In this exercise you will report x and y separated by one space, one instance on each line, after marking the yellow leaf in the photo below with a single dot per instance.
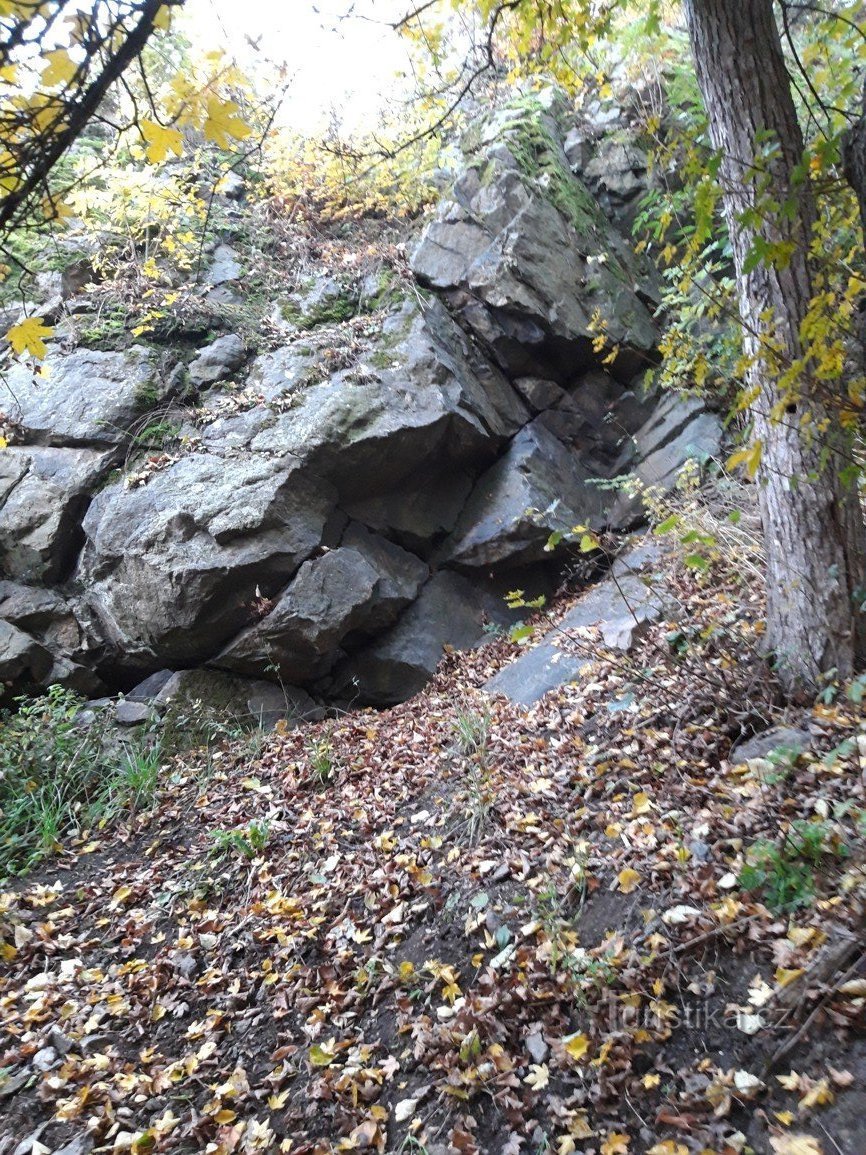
29 336
160 140
162 20
749 457
795 1145
576 1046
627 880
641 803
616 1144
121 894
322 1056
651 1080
222 121
784 976
818 1096
668 1147
59 69
226 1115
3 442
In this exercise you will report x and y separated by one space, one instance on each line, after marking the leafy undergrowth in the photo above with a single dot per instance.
457 926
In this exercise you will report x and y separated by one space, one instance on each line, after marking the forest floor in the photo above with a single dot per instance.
461 926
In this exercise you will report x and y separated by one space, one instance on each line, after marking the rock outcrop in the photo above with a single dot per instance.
332 512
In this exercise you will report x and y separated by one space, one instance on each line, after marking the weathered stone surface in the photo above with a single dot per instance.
616 607
171 568
368 428
85 397
777 738
421 512
537 487
679 428
525 255
248 700
449 611
359 587
43 495
218 360
224 266
22 659
128 713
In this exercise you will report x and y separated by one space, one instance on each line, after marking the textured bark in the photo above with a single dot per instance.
812 521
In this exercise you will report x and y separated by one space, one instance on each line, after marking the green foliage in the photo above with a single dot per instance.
320 757
59 776
472 731
786 871
244 841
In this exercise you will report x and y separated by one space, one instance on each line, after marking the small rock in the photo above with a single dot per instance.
61 1043
9 1084
776 738
218 360
31 1143
536 1047
128 713
44 1060
80 1145
187 964
404 1110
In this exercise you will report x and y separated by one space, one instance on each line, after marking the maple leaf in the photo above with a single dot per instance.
59 69
538 1077
160 140
222 121
616 1143
28 336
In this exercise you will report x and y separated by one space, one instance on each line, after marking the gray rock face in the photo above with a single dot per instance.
43 495
525 256
224 266
616 607
171 568
22 658
535 488
218 360
449 611
250 701
289 530
678 429
359 587
86 397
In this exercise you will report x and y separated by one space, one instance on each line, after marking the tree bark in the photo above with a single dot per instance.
813 525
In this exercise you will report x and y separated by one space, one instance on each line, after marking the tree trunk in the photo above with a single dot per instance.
812 522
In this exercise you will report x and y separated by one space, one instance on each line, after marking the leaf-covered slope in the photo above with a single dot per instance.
458 926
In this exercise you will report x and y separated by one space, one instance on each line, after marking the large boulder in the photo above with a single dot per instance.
678 429
537 487
450 611
525 256
22 658
360 587
419 394
43 495
172 568
86 397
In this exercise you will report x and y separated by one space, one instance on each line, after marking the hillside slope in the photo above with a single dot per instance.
463 926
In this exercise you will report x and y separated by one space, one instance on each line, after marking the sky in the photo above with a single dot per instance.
344 63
